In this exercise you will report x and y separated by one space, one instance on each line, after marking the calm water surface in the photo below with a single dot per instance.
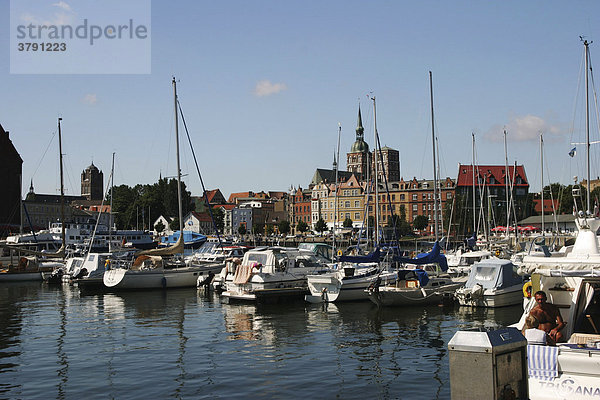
58 343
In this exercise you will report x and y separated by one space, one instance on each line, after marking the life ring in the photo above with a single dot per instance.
339 252
497 253
527 289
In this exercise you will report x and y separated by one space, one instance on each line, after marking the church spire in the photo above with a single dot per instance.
359 128
31 187
334 161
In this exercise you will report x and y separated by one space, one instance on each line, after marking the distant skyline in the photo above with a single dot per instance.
263 86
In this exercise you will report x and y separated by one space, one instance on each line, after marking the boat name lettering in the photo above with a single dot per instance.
570 387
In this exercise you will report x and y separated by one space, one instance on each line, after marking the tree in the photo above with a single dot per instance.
302 226
174 225
219 216
321 226
242 229
420 222
347 223
284 227
159 227
257 229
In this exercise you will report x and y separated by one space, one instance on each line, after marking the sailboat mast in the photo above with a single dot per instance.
506 175
376 173
178 166
336 161
473 168
62 187
112 188
435 195
542 162
587 123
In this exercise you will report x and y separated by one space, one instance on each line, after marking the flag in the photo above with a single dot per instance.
573 152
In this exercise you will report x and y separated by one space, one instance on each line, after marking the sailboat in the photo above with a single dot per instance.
353 274
151 269
37 265
416 286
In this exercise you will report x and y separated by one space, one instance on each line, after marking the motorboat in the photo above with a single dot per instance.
350 278
271 273
492 283
30 268
460 262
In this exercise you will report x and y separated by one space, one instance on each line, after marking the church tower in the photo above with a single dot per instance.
92 183
358 157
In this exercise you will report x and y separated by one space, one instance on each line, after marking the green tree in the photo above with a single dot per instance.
242 229
159 227
420 222
270 230
302 226
347 223
284 227
174 225
258 229
321 226
219 216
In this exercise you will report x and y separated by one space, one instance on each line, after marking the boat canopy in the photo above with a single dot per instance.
493 273
371 257
433 257
419 274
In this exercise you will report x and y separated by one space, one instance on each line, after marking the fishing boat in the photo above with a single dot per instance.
492 283
271 273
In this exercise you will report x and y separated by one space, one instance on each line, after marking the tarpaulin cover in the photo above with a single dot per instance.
371 257
433 257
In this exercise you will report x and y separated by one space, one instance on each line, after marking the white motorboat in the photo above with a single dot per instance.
492 283
271 273
349 279
460 262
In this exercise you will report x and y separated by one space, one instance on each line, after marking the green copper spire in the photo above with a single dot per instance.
359 128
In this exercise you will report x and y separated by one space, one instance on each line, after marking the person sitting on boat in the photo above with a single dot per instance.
549 318
532 333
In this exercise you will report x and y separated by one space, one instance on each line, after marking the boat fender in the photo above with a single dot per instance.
497 253
527 288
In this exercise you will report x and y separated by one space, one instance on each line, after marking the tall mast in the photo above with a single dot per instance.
435 208
178 166
336 161
62 188
474 183
112 188
376 173
587 124
506 186
542 162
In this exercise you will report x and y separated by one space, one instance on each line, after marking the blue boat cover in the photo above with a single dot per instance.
371 257
419 274
189 237
433 257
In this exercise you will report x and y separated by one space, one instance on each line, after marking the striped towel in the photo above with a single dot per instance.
542 361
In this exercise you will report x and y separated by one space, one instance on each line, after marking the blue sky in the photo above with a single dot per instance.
263 85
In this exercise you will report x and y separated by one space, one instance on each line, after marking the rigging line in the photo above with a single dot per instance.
199 175
595 97
43 155
575 100
389 205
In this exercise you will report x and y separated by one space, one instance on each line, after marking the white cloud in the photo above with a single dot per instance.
62 5
525 128
90 99
266 88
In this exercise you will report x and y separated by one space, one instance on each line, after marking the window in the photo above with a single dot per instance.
356 203
347 204
424 196
414 197
448 196
402 197
356 216
415 207
424 207
393 197
347 215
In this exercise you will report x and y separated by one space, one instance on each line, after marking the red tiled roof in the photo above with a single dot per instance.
202 217
465 175
547 205
234 196
226 206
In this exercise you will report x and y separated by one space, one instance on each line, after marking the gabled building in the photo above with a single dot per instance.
166 223
215 197
10 181
199 223
491 182
299 208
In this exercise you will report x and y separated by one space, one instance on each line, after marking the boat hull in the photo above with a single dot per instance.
151 279
491 298
394 296
334 287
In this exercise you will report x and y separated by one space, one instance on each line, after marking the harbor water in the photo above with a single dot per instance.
56 342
